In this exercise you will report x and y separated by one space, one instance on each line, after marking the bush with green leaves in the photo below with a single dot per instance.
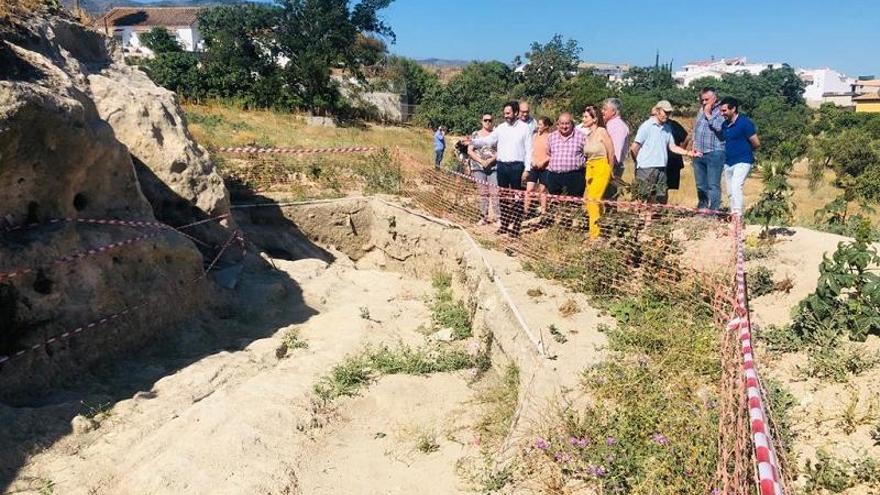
774 206
847 299
834 217
760 281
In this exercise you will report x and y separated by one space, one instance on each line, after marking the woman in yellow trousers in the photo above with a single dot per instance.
599 152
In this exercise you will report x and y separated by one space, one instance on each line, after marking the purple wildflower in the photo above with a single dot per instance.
716 491
562 457
542 444
579 442
597 471
659 439
610 441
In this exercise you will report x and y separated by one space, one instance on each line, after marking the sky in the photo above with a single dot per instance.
840 34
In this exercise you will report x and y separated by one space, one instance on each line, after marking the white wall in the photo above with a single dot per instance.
189 38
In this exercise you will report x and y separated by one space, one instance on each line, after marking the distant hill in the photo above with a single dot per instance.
444 63
99 7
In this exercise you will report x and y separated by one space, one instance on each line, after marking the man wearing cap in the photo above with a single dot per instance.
649 149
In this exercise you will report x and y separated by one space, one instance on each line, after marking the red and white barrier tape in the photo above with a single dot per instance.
294 151
79 255
607 202
237 235
768 472
92 221
113 222
69 334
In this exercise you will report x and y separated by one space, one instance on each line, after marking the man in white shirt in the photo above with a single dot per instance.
513 139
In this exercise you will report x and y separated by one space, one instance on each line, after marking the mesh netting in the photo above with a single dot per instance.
607 249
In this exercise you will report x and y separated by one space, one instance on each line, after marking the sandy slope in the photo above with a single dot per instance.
819 415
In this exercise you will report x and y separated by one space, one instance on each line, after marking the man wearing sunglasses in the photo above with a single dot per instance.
709 141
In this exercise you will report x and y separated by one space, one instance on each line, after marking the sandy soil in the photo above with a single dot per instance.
820 415
215 410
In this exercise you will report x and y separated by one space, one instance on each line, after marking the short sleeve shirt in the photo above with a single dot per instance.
486 152
654 139
737 147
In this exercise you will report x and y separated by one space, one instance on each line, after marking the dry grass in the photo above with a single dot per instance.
806 201
216 124
225 125
16 8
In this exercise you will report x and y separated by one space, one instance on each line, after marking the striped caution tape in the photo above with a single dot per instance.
294 151
768 469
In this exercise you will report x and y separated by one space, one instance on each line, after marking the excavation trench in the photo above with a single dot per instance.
512 309
349 275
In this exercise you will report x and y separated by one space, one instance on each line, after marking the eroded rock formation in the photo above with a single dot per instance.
83 137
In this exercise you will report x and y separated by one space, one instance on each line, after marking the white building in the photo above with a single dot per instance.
717 68
827 86
614 72
126 24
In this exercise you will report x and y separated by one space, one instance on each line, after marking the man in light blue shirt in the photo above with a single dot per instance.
649 149
439 145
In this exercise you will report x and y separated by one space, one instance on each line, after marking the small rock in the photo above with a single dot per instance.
443 335
143 395
81 424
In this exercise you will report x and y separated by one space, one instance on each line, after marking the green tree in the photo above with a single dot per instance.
645 86
855 159
177 71
159 40
482 87
409 78
774 206
750 89
549 66
783 129
585 89
241 59
316 36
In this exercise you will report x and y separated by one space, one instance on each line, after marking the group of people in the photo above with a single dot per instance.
587 160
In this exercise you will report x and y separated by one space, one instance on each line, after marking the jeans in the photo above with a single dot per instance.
707 174
510 177
487 184
736 175
438 158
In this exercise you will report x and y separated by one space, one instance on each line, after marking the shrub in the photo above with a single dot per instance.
760 282
847 298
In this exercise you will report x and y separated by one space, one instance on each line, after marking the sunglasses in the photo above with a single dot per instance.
487 120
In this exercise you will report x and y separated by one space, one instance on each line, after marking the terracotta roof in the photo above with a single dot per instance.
149 17
868 97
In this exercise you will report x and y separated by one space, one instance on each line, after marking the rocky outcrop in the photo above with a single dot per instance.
71 292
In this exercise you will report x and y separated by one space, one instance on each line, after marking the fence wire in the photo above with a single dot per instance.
606 249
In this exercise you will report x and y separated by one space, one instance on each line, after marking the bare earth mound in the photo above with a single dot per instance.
245 419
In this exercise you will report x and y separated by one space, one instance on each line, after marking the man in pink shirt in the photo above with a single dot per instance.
565 172
619 132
